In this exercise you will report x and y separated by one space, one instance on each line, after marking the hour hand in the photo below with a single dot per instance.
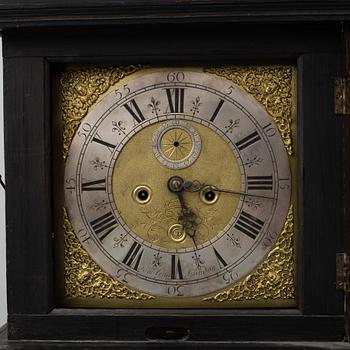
187 217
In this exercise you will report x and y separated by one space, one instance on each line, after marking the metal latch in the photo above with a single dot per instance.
343 272
342 96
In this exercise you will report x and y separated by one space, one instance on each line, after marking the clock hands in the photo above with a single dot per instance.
187 218
196 186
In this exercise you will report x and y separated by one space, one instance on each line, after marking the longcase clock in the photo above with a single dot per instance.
175 175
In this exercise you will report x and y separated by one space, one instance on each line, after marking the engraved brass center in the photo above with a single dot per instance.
152 220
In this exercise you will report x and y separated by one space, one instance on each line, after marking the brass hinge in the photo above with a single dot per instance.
343 272
342 96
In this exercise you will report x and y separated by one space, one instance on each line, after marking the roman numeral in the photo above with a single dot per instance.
176 270
217 110
134 255
98 185
104 225
248 140
259 182
98 139
220 259
176 99
249 224
134 110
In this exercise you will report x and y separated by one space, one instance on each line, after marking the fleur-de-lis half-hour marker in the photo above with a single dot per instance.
234 241
255 160
253 203
154 105
232 124
119 242
98 164
99 205
118 127
197 261
156 260
195 106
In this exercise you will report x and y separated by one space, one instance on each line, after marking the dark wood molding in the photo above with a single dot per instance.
320 184
204 325
94 13
6 344
29 228
173 45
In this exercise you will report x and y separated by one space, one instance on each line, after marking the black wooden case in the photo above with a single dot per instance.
40 36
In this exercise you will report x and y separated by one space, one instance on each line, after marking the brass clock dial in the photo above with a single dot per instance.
182 183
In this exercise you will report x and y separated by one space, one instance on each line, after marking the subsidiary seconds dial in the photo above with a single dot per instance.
182 183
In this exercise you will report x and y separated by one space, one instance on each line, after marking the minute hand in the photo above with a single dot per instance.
238 192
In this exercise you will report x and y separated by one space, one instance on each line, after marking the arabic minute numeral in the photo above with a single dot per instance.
282 185
269 239
230 276
84 130
70 184
121 274
122 92
176 290
229 90
269 130
83 235
175 76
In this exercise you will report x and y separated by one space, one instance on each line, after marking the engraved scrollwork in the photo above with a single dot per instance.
80 89
272 87
154 220
83 278
274 278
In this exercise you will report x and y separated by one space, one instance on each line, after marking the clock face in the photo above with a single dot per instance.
182 183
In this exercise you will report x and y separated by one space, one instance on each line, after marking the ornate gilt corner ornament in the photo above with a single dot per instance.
272 87
84 279
80 89
274 278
